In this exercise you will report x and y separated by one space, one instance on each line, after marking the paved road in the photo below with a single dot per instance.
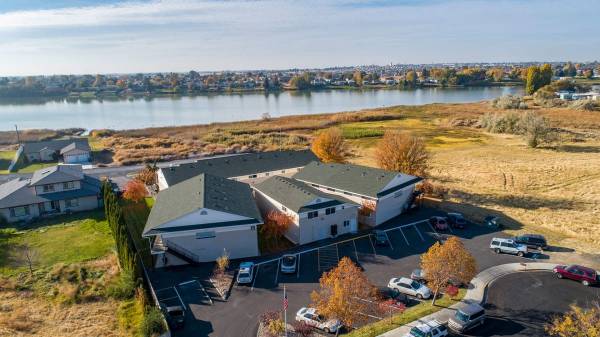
239 315
521 304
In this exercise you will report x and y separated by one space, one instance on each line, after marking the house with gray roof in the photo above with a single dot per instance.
241 167
53 190
70 150
383 194
314 215
197 219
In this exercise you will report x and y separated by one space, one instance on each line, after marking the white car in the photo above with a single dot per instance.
312 318
246 273
428 329
508 246
409 287
288 264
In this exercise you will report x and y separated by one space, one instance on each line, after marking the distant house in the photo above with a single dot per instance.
240 167
391 193
197 219
71 150
316 215
53 190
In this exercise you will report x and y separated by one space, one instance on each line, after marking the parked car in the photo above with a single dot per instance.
532 241
492 222
288 263
175 316
508 246
410 287
587 276
431 328
312 318
386 293
438 223
381 239
457 220
246 273
466 317
418 275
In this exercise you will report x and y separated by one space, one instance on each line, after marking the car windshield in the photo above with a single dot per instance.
289 260
461 316
417 332
244 275
415 285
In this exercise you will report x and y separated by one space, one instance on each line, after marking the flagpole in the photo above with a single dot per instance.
285 310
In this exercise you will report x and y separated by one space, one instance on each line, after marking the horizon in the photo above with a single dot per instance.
123 37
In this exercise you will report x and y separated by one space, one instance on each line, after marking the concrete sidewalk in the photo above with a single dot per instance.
476 292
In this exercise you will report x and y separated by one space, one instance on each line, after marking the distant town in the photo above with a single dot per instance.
402 76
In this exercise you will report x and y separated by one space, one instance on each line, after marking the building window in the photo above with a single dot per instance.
203 212
315 185
346 223
283 208
69 185
398 194
267 174
19 211
282 171
72 202
331 189
329 210
49 188
252 176
313 214
205 235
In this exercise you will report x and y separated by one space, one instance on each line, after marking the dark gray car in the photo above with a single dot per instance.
466 317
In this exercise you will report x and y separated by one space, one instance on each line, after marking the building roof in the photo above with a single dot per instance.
57 174
296 195
202 191
53 145
83 146
239 165
363 180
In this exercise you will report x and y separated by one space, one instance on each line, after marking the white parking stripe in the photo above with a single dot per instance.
298 266
388 240
277 272
404 236
255 277
431 226
374 251
419 232
180 300
355 251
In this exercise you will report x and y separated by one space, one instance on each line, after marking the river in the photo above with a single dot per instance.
186 110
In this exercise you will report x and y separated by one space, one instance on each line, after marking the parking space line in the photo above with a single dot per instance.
388 240
298 266
255 277
180 300
404 236
419 232
355 251
277 272
372 246
433 229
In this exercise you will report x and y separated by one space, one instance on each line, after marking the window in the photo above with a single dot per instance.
69 185
267 174
72 202
205 235
313 214
331 189
282 171
48 188
329 210
398 194
252 176
19 211
203 212
283 208
346 223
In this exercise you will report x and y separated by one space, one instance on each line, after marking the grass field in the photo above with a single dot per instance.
30 168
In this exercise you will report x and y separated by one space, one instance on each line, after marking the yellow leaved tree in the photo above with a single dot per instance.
577 322
330 147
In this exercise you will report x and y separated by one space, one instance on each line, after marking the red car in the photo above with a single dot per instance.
586 276
439 223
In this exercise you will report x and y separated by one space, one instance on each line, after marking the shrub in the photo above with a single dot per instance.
3 221
433 190
584 104
135 191
302 329
535 128
124 287
153 323
509 102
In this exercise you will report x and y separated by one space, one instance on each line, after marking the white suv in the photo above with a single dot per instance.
312 318
410 287
428 329
507 246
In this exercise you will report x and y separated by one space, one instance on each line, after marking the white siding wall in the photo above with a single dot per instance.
76 156
393 204
162 182
266 204
57 188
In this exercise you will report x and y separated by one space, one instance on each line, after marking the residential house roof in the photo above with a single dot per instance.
57 174
239 165
83 146
363 180
53 145
296 195
202 191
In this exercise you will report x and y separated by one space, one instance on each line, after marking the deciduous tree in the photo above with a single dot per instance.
402 152
534 79
147 175
275 225
330 146
446 262
135 191
342 293
577 322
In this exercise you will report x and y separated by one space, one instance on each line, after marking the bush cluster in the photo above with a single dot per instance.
509 102
535 128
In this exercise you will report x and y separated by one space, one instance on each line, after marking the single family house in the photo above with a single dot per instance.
70 150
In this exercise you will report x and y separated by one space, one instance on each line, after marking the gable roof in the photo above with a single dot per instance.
202 191
83 146
56 174
239 165
296 195
363 180
53 145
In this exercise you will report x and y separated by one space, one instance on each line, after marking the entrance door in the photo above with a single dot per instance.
334 230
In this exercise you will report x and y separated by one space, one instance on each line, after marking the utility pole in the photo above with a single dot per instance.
17 130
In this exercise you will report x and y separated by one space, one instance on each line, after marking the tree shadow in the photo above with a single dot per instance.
578 149
518 201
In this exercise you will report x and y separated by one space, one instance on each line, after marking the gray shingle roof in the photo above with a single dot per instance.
83 146
295 195
363 180
202 191
57 174
53 145
239 165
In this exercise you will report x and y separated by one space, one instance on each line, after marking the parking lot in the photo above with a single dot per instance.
409 236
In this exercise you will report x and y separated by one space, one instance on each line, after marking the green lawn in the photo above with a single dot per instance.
5 159
65 239
410 314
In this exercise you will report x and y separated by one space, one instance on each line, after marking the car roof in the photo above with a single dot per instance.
288 255
586 269
538 236
469 308
404 280
455 214
503 240
173 308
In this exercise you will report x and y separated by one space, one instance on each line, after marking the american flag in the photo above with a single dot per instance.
285 301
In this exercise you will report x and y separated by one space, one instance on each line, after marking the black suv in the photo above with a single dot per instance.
532 241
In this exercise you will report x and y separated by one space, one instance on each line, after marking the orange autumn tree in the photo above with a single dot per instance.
344 293
135 191
446 262
275 225
402 152
330 147
367 207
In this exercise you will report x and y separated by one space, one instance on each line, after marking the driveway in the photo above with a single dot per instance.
409 236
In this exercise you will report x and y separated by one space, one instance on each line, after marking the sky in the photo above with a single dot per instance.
111 36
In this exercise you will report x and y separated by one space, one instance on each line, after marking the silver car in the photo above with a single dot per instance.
509 246
466 317
288 264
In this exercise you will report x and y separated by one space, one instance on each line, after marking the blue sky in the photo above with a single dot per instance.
105 36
